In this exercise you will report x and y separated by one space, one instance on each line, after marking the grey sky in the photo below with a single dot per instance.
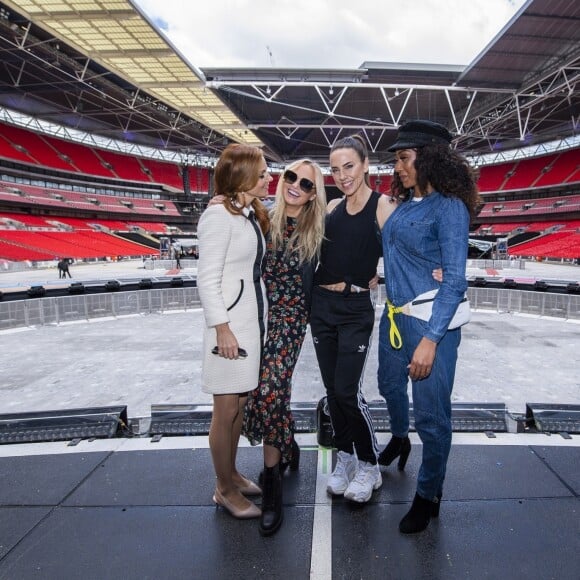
329 33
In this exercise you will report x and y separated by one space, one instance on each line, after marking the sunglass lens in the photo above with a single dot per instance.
290 177
306 185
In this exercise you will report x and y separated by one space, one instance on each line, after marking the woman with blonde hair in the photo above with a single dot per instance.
233 298
293 248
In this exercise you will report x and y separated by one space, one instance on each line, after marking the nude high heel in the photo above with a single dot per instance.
249 488
252 511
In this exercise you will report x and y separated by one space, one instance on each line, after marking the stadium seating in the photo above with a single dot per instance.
143 209
17 253
163 172
8 151
123 166
526 207
557 245
18 144
70 244
544 171
7 219
38 150
81 157
526 172
565 168
492 177
199 179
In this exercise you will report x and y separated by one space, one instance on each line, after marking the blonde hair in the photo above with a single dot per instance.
309 232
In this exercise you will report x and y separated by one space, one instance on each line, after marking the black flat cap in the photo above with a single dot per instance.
420 133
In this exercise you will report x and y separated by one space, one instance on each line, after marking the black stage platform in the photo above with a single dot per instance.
134 509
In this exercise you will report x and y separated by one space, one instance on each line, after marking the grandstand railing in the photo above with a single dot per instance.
63 309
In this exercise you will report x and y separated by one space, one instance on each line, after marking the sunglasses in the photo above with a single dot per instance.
290 177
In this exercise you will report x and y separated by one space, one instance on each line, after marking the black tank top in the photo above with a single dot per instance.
352 245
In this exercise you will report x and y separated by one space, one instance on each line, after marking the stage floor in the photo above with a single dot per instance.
135 509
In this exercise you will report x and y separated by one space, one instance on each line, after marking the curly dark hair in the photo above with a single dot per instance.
447 172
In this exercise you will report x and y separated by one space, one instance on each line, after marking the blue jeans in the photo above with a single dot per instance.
431 396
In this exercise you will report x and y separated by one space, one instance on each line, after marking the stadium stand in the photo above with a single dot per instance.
77 244
565 168
19 144
162 172
38 150
492 177
19 221
526 172
123 166
564 244
81 157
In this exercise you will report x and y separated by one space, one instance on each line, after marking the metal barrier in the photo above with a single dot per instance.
497 264
169 264
42 311
565 306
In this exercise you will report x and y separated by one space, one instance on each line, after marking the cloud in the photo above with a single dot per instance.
329 33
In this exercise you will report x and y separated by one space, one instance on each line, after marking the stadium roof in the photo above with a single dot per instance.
102 67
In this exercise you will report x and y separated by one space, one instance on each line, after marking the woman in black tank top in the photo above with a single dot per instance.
343 316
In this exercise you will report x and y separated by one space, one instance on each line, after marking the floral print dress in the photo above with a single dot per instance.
268 417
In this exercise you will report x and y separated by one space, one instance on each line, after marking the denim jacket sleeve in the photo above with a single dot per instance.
453 237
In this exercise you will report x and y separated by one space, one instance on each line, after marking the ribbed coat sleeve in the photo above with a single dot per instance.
214 238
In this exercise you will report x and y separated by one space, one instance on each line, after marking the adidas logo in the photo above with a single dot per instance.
362 348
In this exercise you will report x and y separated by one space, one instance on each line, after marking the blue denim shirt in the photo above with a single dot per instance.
418 237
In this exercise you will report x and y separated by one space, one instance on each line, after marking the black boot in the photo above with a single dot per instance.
272 514
397 447
295 461
417 518
293 464
436 506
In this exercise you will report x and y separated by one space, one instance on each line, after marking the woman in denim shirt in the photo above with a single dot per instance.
429 229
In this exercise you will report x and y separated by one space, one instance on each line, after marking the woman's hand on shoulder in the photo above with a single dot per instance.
217 200
332 204
437 274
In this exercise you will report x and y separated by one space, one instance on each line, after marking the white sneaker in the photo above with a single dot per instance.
344 471
366 480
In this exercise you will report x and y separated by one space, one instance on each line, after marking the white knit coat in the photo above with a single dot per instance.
228 290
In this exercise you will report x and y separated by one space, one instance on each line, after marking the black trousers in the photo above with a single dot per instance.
341 328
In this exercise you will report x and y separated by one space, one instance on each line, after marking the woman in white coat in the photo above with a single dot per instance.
233 298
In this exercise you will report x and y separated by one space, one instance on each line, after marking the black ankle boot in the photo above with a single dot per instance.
397 447
272 514
436 506
417 518
293 464
295 461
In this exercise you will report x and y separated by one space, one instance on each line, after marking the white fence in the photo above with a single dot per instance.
42 311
